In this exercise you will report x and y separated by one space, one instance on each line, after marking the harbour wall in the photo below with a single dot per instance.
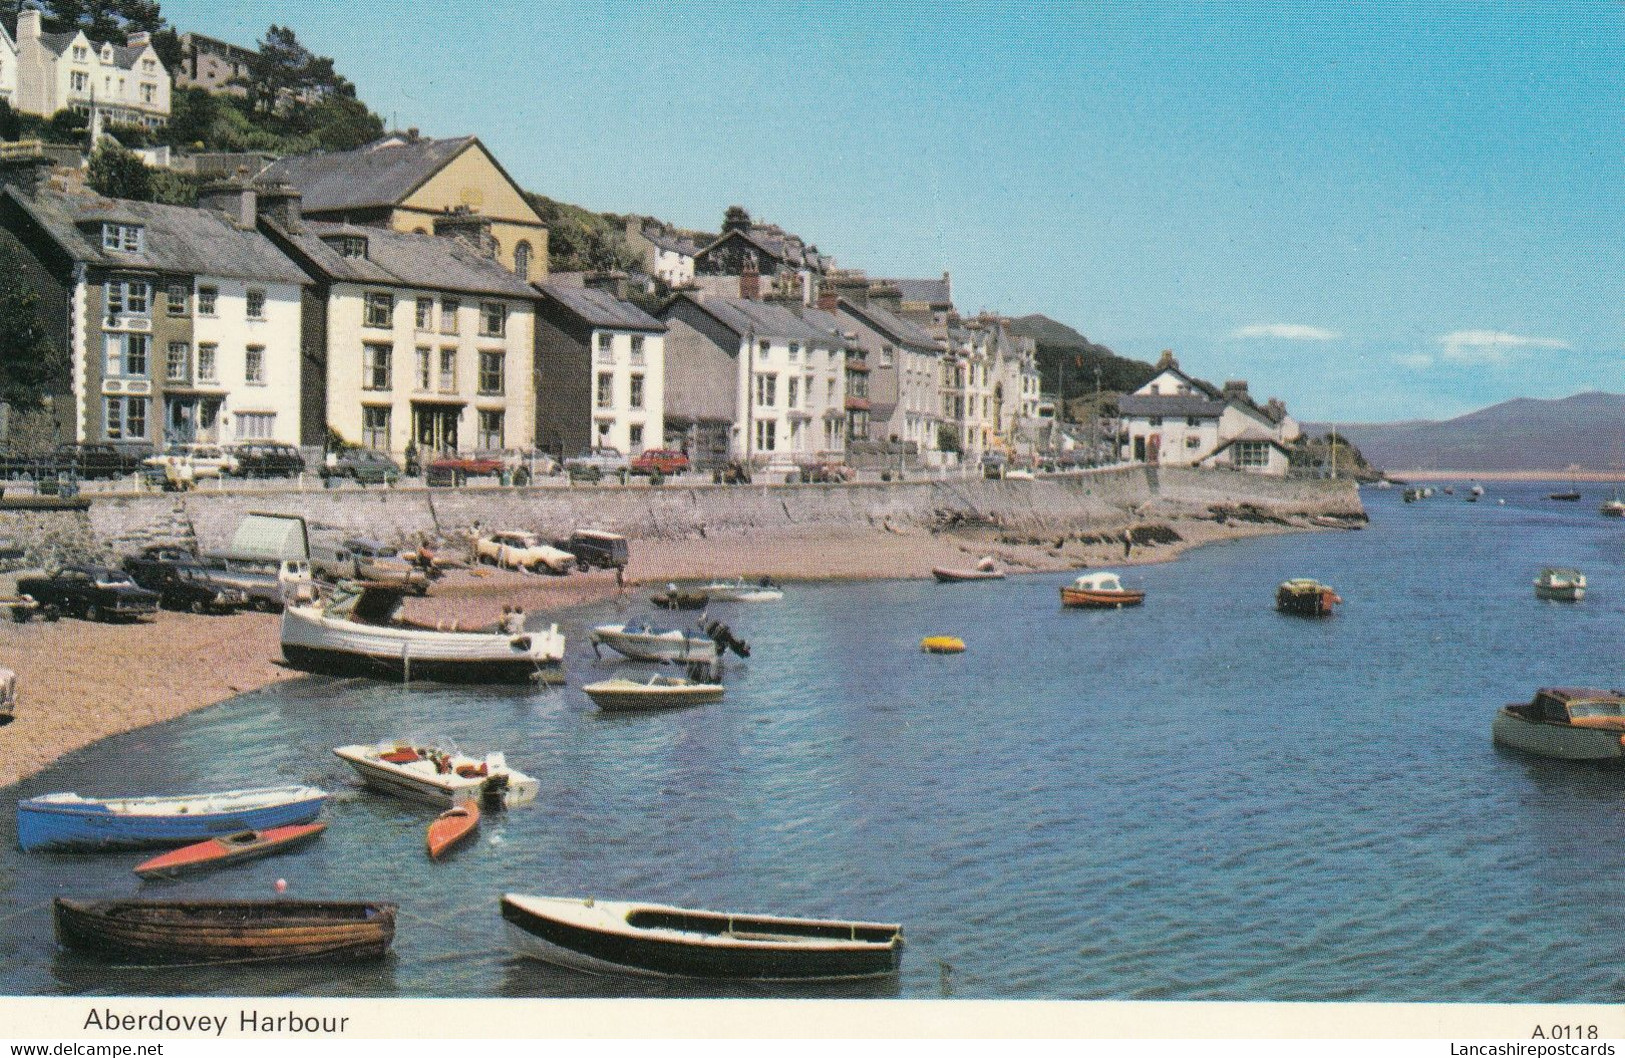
1082 502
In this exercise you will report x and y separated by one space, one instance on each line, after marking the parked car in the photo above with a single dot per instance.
595 463
94 593
182 582
268 583
472 465
828 473
363 559
92 460
994 464
513 549
665 460
364 466
593 547
266 459
194 461
731 473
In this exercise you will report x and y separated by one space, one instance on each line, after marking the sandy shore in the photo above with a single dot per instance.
79 682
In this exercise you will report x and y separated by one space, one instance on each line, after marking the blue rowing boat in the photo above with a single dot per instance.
69 821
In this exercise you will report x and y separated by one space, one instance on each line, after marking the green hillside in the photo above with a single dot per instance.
1067 360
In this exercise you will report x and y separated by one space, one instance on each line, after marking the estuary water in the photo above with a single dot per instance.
1197 799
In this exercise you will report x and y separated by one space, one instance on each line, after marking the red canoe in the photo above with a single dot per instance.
455 826
229 849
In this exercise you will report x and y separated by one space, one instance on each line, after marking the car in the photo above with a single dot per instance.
183 582
371 560
193 461
665 460
514 549
828 473
266 459
472 465
94 593
594 547
268 582
93 460
594 463
364 466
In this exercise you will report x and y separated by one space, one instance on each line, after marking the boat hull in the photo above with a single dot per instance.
955 576
1560 592
656 648
1562 741
225 931
53 826
1318 603
439 791
644 699
1100 600
454 828
224 852
316 643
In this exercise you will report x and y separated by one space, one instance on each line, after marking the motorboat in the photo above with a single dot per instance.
642 641
440 776
1571 723
1560 584
1613 508
236 931
763 590
1304 597
656 940
985 569
452 828
660 692
1476 491
361 631
1569 496
675 598
1102 590
68 820
228 850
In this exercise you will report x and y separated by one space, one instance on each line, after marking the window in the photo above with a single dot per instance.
255 302
766 435
125 418
634 438
375 428
636 399
254 365
425 320
448 370
348 245
126 297
491 372
380 310
375 364
885 356
1155 420
606 390
493 319
148 92
763 348
767 387
448 315
425 367
606 348
637 350
791 390
122 238
490 433
176 298
127 355
79 81
149 65
206 362
176 364
205 300
795 352
256 425
521 260
1191 420
1254 454
81 53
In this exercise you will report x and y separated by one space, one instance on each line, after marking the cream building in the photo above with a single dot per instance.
1177 420
124 84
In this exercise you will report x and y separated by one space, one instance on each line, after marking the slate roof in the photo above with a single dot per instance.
759 318
428 262
928 291
179 239
830 325
381 174
124 55
895 327
600 308
674 243
1185 405
791 251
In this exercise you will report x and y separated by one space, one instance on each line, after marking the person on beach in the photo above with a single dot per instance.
513 619
1128 542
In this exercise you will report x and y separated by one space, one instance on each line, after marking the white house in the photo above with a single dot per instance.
124 84
1177 420
600 373
667 255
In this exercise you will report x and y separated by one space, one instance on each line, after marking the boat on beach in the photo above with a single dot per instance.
1570 723
360 631
986 569
1560 584
71 821
1304 597
1101 591
741 590
656 940
438 776
202 931
660 692
452 828
229 849
642 641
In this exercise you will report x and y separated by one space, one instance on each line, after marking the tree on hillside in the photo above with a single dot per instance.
29 362
343 123
118 173
287 72
107 20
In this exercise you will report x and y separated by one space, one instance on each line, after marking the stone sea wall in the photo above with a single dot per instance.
1081 502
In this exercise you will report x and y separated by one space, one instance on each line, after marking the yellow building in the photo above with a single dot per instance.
412 184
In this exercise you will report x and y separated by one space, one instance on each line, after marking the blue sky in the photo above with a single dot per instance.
1405 211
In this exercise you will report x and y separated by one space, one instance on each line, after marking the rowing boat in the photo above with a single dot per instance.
69 820
225 930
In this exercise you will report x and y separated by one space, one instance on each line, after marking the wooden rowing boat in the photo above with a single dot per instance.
225 930
229 849
69 820
453 827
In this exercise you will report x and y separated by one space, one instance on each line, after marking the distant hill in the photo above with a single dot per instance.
1059 344
1585 430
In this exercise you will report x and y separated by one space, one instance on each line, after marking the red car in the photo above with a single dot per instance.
480 464
665 460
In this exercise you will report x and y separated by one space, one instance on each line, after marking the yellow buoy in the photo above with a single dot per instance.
942 645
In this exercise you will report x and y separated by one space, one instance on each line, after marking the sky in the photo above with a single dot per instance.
1382 212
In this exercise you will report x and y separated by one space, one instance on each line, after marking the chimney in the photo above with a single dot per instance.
1167 361
1234 389
235 198
139 39
26 172
469 228
283 204
750 279
827 298
28 25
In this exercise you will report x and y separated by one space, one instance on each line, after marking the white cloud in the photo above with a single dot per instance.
1490 347
1418 361
1297 332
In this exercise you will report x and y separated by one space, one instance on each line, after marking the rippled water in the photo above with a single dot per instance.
1197 799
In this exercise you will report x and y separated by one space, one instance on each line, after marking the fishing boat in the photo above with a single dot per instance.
1304 597
763 590
674 598
986 569
439 776
228 850
655 940
1571 723
194 931
1560 585
360 631
1103 590
660 692
942 645
641 641
68 820
452 828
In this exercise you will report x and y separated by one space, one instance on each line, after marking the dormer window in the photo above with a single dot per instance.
123 238
348 245
81 53
107 53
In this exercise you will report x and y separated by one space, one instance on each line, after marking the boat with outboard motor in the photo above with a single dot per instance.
439 775
659 692
642 641
763 590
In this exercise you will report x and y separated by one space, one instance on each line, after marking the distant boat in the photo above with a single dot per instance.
1560 584
654 940
1571 723
199 931
1304 597
1100 591
1613 508
1450 490
436 776
674 598
228 850
660 692
1476 491
67 820
453 827
1567 497
763 590
985 569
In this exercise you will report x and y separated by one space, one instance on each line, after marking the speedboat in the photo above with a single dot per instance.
660 692
641 641
654 940
361 631
1304 597
1103 590
1614 508
985 569
68 820
438 776
1571 723
675 598
1560 584
741 591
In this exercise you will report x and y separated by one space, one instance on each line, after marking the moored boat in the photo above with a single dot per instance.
452 828
189 931
1304 597
942 645
1560 584
641 641
986 569
229 849
675 598
361 632
69 820
655 940
1570 723
1613 508
741 590
660 692
1569 496
438 776
1103 590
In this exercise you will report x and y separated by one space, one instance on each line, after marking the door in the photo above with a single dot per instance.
434 427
